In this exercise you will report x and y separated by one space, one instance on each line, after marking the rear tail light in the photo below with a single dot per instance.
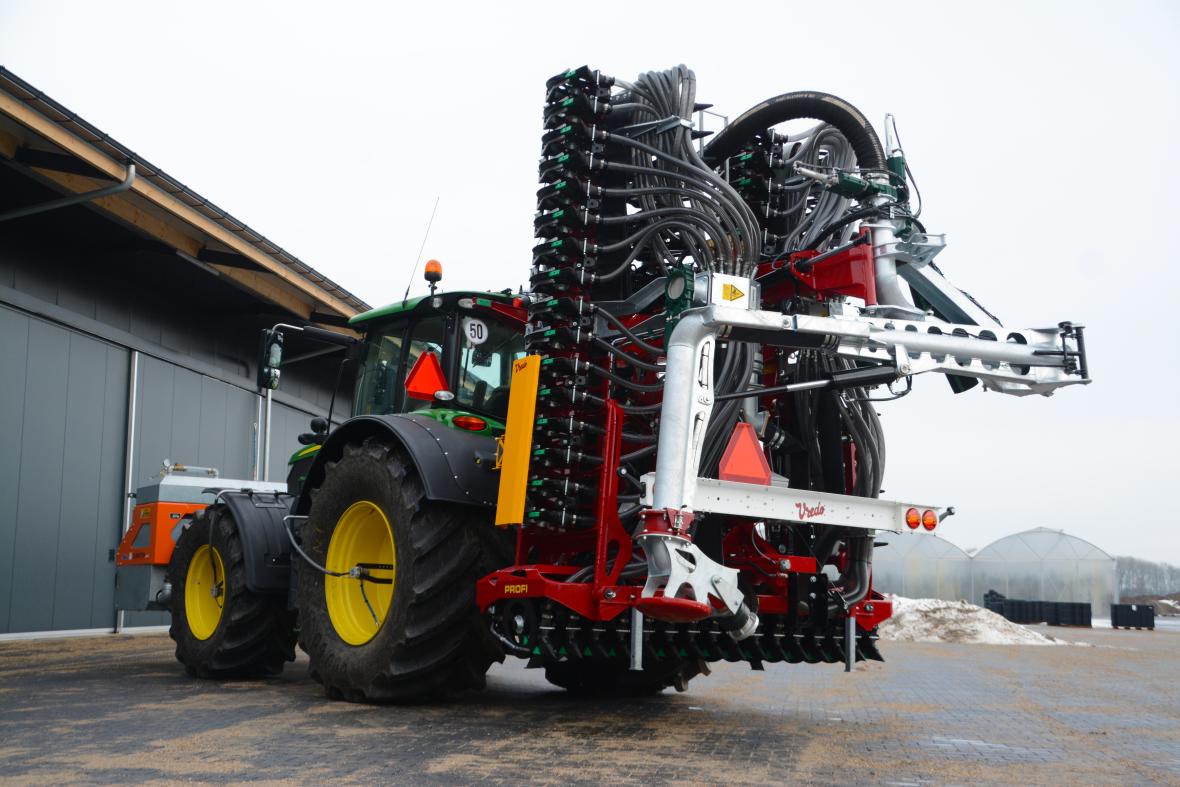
471 423
912 518
929 520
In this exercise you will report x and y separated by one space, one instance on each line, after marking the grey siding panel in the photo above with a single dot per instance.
81 484
153 423
109 504
114 310
186 416
61 494
36 281
289 423
192 419
7 274
14 347
213 437
238 428
42 452
227 418
77 296
154 431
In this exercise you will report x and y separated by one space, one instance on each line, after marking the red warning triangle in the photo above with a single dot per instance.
425 378
744 459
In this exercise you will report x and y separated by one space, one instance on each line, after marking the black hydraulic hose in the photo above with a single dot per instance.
623 329
849 120
628 357
823 547
637 454
631 384
844 221
854 582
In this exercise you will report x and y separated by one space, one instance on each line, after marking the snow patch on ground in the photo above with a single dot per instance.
1166 606
935 620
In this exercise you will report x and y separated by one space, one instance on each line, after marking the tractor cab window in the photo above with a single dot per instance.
378 385
428 335
390 355
487 348
476 359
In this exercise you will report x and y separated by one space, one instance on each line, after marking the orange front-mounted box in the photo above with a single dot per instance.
148 542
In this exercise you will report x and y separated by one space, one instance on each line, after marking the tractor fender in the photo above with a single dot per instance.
455 466
265 545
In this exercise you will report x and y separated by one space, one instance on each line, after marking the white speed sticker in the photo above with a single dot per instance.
475 330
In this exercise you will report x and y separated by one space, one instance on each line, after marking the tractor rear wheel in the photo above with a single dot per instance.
221 628
396 619
613 678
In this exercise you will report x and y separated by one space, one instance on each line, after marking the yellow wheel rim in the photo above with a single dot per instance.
362 539
204 592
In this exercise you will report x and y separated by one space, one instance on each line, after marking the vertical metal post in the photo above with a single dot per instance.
850 643
129 460
256 460
636 639
266 440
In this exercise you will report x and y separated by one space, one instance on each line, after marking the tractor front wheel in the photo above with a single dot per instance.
394 619
221 628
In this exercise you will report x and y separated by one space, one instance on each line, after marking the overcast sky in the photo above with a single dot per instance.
1043 138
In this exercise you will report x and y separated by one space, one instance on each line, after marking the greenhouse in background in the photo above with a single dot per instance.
921 566
1036 565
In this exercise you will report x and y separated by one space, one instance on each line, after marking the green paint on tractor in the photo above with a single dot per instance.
407 306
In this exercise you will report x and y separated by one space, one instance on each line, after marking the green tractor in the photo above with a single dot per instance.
369 558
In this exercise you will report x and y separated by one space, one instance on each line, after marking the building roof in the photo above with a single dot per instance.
64 151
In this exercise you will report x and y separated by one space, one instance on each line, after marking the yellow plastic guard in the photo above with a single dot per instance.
518 440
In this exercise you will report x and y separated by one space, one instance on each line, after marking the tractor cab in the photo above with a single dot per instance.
445 356
449 354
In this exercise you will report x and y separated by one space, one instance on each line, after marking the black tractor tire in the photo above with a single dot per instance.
616 679
432 642
255 635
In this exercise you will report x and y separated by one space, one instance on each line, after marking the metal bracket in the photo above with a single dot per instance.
677 568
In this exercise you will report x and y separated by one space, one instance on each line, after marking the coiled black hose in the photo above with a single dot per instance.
792 106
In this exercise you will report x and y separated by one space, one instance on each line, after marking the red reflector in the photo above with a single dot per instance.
744 459
912 519
470 422
929 520
425 378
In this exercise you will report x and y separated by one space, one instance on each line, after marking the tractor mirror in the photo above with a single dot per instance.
271 359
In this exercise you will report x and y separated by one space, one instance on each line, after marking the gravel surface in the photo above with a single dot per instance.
120 709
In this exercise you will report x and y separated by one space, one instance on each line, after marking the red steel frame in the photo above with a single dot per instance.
849 273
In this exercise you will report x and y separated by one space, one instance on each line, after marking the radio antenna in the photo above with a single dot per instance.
421 248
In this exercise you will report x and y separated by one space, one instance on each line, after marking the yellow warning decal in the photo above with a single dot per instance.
518 440
730 293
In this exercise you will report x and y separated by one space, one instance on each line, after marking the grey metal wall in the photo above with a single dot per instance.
63 413
193 419
78 294
190 418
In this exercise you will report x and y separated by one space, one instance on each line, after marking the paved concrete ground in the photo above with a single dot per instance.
120 709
